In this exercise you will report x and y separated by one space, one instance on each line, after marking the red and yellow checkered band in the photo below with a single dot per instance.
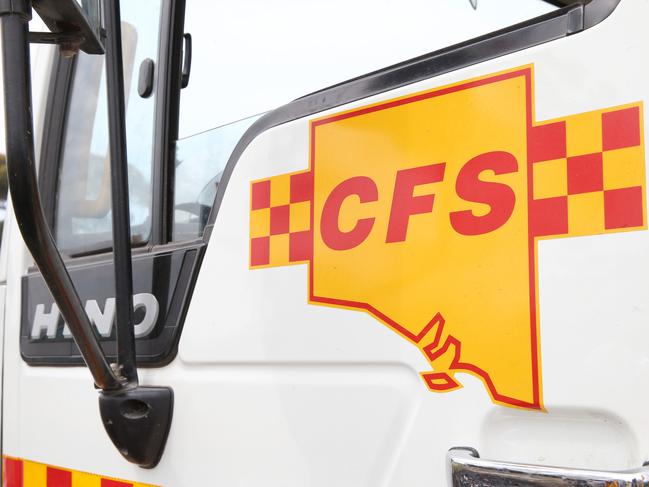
280 220
588 174
588 177
24 473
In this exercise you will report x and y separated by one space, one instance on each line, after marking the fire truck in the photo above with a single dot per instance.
300 243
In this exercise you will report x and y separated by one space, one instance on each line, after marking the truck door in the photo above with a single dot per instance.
429 273
448 252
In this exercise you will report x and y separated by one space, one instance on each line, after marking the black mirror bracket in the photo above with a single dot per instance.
21 168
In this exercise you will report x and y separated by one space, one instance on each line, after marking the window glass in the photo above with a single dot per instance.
200 161
83 214
254 55
92 9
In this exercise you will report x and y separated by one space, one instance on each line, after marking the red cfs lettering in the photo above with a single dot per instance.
405 204
366 190
469 187
498 196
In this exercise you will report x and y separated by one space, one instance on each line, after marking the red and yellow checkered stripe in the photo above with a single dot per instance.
588 178
280 220
588 174
23 473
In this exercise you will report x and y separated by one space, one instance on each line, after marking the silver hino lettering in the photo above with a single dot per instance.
150 305
103 320
45 321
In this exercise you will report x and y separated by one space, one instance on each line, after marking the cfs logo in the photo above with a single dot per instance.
425 212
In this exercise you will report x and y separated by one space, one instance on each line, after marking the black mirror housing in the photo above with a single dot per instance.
138 422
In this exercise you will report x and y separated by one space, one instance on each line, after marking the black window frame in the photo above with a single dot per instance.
172 263
572 17
165 133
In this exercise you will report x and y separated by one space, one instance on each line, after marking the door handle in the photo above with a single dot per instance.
467 469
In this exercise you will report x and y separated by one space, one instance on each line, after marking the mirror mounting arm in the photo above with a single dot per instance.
69 44
21 168
137 419
119 194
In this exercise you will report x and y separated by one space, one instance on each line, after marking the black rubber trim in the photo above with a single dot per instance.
561 23
169 80
560 3
56 114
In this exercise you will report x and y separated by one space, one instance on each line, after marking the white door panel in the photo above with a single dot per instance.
592 299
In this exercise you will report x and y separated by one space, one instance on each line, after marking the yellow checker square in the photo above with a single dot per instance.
260 223
586 214
279 249
624 168
550 178
280 190
34 474
300 216
584 134
80 479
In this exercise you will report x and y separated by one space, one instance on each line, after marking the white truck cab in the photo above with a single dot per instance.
289 243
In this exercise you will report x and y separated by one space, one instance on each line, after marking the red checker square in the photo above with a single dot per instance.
621 128
300 246
585 173
58 478
280 219
301 187
13 472
549 216
260 197
623 208
114 483
547 142
260 251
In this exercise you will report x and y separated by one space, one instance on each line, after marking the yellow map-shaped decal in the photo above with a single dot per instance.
425 212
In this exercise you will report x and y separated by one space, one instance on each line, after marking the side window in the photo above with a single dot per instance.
200 161
82 221
306 47
255 55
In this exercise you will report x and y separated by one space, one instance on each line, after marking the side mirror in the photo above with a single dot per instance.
76 22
